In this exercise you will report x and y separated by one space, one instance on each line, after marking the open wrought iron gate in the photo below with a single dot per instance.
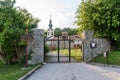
62 49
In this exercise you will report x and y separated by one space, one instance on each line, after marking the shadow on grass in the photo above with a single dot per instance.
113 58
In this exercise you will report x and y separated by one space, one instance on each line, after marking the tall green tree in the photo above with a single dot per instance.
70 31
58 31
74 31
13 22
101 16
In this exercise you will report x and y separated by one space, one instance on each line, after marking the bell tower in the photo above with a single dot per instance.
50 31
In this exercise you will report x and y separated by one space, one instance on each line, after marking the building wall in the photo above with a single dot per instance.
50 33
61 44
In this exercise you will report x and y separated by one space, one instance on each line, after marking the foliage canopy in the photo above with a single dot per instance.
13 22
70 31
101 16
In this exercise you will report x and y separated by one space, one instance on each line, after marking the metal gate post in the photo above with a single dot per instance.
69 49
83 51
58 50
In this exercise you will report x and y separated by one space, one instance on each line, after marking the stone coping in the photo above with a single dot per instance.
30 72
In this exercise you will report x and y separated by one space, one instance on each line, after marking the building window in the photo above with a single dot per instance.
51 33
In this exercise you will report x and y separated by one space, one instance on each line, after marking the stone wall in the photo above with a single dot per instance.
102 45
37 46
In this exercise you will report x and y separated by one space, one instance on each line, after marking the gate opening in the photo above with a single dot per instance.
64 49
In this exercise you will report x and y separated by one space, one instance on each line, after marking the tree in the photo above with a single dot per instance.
70 31
13 22
101 16
73 31
58 31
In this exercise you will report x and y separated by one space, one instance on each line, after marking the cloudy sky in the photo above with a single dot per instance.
62 11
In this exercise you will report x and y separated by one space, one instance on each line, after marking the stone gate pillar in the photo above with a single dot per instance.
37 46
88 37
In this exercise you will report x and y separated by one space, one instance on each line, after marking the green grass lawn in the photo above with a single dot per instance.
113 58
75 53
13 72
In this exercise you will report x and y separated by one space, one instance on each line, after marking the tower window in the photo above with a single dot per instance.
51 33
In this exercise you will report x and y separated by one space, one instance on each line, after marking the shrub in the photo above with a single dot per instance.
22 57
46 49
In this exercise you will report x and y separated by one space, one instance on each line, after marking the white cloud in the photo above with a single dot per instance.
63 19
62 11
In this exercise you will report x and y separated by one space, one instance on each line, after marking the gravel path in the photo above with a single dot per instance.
75 71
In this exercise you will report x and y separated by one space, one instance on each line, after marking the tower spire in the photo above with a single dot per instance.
50 23
50 31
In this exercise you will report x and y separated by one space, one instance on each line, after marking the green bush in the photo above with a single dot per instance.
22 43
12 26
22 57
46 49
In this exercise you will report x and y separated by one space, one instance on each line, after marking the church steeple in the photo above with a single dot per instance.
50 24
50 31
